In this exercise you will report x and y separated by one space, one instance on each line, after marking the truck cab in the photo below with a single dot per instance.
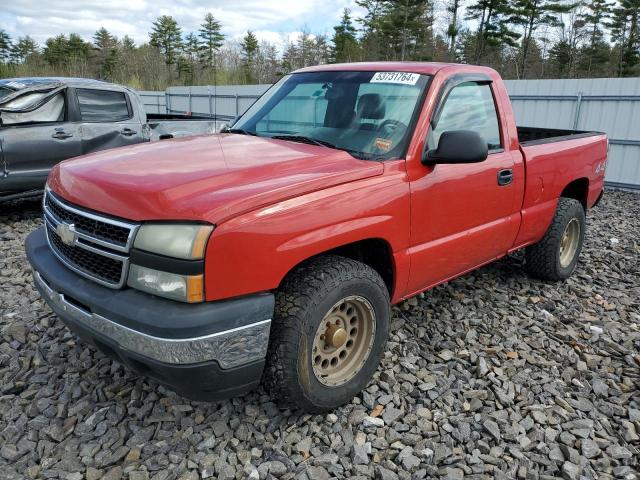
273 251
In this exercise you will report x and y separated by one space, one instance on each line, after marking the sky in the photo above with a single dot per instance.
275 21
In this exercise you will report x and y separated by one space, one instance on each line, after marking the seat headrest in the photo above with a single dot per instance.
370 106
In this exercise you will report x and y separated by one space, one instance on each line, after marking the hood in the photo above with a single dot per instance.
209 178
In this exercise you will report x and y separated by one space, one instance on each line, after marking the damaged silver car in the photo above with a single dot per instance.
46 120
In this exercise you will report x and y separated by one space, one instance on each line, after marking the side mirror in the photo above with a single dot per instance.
224 128
458 146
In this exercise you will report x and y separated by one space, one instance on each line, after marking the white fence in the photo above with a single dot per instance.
610 105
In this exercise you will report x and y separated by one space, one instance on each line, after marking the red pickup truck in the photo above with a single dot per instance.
273 251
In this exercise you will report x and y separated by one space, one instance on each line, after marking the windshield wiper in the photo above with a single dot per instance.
240 131
314 141
309 140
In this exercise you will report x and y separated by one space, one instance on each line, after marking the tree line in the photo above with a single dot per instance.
519 38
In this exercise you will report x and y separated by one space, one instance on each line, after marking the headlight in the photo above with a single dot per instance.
184 288
176 240
167 260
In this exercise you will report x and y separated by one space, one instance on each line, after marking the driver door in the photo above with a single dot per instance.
32 142
462 215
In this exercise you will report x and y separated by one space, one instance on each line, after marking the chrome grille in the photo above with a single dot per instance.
99 229
97 247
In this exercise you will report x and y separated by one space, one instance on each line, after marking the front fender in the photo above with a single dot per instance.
254 251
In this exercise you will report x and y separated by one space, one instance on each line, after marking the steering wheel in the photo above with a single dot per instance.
390 128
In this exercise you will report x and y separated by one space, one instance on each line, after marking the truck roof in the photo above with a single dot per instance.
426 68
24 82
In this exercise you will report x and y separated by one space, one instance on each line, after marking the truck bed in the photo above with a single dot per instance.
536 136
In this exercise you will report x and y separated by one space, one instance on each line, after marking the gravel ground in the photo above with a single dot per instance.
493 375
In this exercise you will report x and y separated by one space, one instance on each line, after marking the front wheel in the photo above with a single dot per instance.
328 334
555 256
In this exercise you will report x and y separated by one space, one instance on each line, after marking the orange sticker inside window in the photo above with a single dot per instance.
383 144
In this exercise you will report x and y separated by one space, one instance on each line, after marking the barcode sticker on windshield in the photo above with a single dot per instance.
395 77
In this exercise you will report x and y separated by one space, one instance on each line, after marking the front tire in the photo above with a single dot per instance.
555 256
328 334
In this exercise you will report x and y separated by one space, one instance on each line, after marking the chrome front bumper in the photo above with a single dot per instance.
230 348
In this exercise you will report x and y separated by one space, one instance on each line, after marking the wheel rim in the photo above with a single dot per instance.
343 341
569 242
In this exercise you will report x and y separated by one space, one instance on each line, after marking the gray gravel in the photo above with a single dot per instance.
493 375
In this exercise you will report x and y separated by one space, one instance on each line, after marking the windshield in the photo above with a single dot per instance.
368 114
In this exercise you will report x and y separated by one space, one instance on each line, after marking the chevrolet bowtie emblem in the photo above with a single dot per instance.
67 233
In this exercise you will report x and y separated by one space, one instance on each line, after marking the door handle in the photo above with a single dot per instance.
61 135
127 132
505 177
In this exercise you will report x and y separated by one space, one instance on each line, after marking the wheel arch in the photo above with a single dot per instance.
577 189
374 252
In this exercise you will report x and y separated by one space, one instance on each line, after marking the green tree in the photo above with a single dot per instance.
596 52
530 15
453 29
493 29
598 15
166 36
345 43
127 44
624 33
106 51
24 48
5 47
212 40
77 48
191 47
61 50
250 48
371 41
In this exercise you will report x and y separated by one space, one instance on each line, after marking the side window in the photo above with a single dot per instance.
50 111
470 106
102 105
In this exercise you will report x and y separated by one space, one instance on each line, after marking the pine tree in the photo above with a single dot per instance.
106 48
493 28
345 43
371 42
127 43
212 40
625 33
400 25
454 27
249 47
77 48
5 47
166 36
24 48
597 17
530 15
192 47
596 52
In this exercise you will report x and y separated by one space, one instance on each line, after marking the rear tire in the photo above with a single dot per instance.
555 256
328 335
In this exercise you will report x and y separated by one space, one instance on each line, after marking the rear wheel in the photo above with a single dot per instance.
555 256
328 335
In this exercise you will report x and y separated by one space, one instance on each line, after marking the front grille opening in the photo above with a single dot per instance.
101 230
104 268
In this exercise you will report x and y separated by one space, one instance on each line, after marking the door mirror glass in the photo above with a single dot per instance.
458 146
